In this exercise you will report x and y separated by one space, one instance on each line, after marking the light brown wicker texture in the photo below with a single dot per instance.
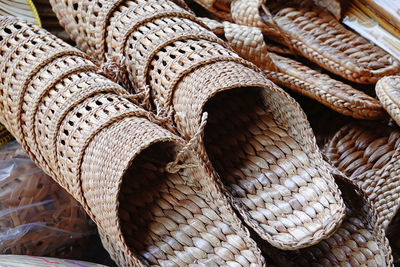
249 13
360 240
319 37
369 157
249 43
332 6
184 65
106 151
388 91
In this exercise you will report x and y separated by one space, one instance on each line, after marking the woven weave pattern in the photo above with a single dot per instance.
316 35
388 91
369 156
249 43
85 131
360 240
166 49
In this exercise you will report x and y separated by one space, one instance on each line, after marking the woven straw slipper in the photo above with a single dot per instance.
368 155
249 43
360 240
113 157
319 37
273 168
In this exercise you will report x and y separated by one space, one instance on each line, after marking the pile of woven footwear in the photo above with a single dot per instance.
178 136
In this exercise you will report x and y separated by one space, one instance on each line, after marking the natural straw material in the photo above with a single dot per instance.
360 240
339 96
271 165
249 13
319 37
388 92
249 43
369 156
106 151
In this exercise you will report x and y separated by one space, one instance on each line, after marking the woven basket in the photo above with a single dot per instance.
249 43
272 172
96 142
22 261
37 216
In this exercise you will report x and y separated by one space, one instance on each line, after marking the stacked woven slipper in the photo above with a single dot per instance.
249 43
303 29
255 136
96 141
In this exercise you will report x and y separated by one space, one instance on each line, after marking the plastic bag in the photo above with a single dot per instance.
22 261
37 217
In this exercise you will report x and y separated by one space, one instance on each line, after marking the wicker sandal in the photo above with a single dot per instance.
368 155
256 136
249 43
94 140
318 36
360 240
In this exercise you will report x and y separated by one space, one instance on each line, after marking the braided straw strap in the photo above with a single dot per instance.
319 37
369 156
360 240
247 12
249 43
334 94
112 156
